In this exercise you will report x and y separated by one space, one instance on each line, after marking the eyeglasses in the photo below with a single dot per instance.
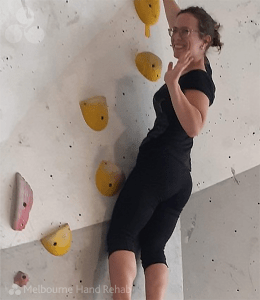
183 31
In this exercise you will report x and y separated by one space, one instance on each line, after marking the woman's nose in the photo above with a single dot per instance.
176 38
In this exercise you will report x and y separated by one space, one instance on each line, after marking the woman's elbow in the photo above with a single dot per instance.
192 134
194 131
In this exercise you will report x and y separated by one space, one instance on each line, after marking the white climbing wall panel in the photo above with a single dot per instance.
55 54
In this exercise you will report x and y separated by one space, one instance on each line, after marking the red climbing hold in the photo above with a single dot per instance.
21 279
23 204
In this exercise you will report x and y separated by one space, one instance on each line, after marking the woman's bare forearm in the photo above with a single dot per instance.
171 10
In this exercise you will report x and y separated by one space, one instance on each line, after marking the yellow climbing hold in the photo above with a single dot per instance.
149 12
149 65
109 178
58 243
95 112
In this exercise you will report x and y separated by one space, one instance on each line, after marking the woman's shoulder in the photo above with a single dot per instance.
200 80
206 70
199 76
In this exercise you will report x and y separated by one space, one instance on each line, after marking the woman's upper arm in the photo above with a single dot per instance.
199 100
171 11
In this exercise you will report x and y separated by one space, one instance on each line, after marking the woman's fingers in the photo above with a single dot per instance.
188 53
188 60
188 57
185 60
185 57
182 63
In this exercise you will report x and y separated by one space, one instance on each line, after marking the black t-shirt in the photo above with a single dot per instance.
167 134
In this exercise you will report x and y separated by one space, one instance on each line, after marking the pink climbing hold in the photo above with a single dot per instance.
21 279
23 205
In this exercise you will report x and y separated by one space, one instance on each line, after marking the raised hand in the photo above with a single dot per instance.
173 74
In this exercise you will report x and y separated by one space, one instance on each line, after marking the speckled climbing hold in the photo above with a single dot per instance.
149 65
21 279
95 112
58 243
149 12
23 203
109 178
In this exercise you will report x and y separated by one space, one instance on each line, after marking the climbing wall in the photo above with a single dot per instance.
55 56
220 224
80 274
220 240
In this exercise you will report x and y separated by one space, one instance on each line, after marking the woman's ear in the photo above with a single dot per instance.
207 40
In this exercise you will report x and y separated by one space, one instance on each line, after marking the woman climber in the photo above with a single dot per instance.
160 184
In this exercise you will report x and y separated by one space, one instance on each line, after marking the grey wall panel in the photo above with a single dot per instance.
220 240
82 273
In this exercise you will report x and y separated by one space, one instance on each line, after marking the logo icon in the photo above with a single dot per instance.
15 32
14 290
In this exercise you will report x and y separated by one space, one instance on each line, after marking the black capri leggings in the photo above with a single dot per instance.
148 207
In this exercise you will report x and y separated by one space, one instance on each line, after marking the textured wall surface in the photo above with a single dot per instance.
56 53
53 55
220 225
82 273
230 141
221 240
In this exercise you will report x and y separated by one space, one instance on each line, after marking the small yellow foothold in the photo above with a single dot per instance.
149 65
95 112
149 12
58 243
109 178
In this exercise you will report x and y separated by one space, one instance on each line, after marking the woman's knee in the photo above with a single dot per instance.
117 241
152 251
152 256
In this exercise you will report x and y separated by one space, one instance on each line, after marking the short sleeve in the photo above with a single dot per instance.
199 80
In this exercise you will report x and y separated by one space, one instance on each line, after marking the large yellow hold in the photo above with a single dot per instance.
149 65
95 112
149 12
58 243
109 178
